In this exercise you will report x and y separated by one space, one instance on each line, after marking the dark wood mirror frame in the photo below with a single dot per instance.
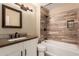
4 17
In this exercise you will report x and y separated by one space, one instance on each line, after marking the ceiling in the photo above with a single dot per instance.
50 6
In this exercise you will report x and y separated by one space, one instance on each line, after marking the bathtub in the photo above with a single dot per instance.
57 48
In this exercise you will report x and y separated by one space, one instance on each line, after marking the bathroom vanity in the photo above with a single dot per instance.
24 47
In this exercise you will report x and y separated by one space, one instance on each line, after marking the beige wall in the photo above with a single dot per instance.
38 19
28 18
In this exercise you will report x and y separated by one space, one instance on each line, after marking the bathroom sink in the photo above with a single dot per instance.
17 39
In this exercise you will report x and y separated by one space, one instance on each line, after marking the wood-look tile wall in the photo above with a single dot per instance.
43 24
57 27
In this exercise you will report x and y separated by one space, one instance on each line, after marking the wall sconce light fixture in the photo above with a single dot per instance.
23 7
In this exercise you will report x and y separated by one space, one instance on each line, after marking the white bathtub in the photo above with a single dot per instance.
57 48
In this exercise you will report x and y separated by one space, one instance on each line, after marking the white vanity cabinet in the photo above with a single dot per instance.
26 48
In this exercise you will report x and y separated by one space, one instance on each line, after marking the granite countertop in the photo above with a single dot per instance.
5 42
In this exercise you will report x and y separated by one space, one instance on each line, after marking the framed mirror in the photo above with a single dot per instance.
11 18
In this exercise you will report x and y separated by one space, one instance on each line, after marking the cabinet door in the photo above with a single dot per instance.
31 47
15 53
12 50
31 51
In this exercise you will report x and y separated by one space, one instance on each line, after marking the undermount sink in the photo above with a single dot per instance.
17 39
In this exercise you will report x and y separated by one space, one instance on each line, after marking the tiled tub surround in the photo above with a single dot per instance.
57 27
43 23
